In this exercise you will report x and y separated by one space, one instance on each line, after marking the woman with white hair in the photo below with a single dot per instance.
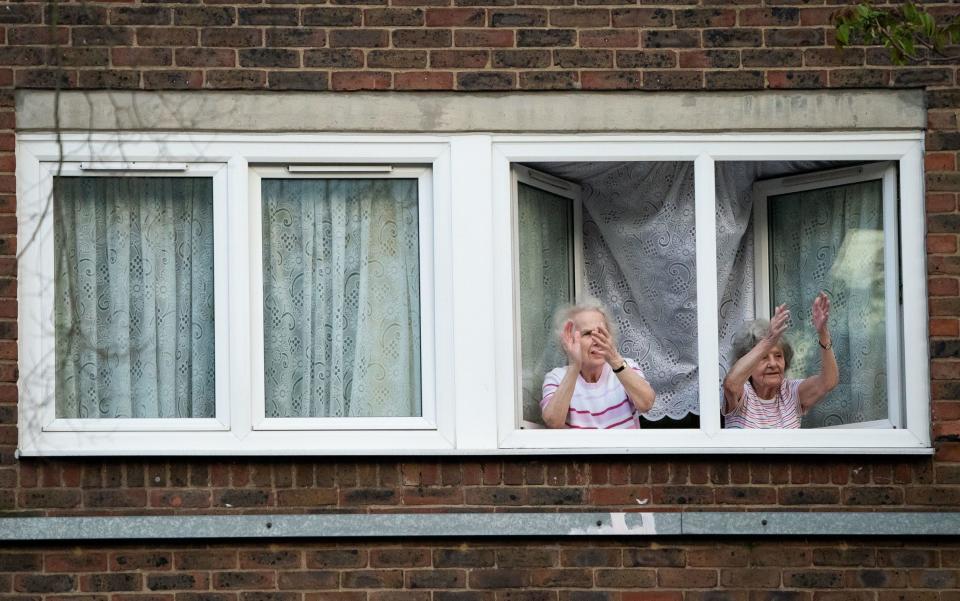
756 392
598 389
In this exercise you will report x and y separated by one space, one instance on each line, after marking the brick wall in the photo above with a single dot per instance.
472 45
675 570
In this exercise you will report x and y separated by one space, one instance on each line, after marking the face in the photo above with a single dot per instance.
769 372
586 323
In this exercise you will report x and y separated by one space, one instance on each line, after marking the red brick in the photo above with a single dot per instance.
483 38
942 244
609 38
455 17
941 202
940 161
76 561
580 17
943 286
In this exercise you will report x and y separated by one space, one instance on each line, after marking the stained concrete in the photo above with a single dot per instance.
448 112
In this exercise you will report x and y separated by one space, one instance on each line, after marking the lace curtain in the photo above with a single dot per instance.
341 297
545 226
134 314
832 240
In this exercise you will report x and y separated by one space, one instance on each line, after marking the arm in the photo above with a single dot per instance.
639 391
740 371
555 413
813 389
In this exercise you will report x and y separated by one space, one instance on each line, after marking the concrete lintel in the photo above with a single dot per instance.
465 525
859 523
449 112
339 526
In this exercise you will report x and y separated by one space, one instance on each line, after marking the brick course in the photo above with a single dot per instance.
587 569
478 45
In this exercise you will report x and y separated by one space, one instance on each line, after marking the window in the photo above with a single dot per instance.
836 230
394 294
341 303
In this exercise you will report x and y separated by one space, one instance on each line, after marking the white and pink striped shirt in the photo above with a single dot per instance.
783 411
599 405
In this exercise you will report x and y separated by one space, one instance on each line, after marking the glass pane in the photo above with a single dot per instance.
545 228
639 263
832 240
341 297
134 311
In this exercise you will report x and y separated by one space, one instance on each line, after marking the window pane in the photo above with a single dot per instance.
341 297
545 229
639 262
134 316
832 240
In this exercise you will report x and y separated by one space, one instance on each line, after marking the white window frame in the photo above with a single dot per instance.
37 339
236 267
886 172
906 149
428 418
476 367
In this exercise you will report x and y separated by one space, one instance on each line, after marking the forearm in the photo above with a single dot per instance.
555 413
740 372
814 388
639 391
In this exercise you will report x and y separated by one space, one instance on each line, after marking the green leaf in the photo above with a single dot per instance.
929 25
843 34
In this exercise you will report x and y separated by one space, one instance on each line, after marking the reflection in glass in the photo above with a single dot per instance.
545 230
341 297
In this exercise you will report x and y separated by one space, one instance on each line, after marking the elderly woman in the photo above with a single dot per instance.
598 389
756 392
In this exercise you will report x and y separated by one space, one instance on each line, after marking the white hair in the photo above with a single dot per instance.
585 304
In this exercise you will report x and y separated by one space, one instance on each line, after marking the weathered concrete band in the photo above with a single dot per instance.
461 525
447 112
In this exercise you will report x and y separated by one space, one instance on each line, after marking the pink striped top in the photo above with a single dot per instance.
784 411
599 405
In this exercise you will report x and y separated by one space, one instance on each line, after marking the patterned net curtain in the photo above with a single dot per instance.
832 240
545 224
134 310
341 297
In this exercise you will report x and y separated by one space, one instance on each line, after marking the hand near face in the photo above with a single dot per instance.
778 324
571 344
821 312
604 341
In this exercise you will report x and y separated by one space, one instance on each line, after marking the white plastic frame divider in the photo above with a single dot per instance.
475 364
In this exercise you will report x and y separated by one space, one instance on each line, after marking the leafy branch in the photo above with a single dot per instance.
911 34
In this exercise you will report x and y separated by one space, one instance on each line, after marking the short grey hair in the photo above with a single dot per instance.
753 332
565 313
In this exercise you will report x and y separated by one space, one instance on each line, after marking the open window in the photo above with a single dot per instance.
699 238
549 243
836 230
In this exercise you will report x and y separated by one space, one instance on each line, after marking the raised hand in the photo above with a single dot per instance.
603 339
778 324
821 313
571 344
